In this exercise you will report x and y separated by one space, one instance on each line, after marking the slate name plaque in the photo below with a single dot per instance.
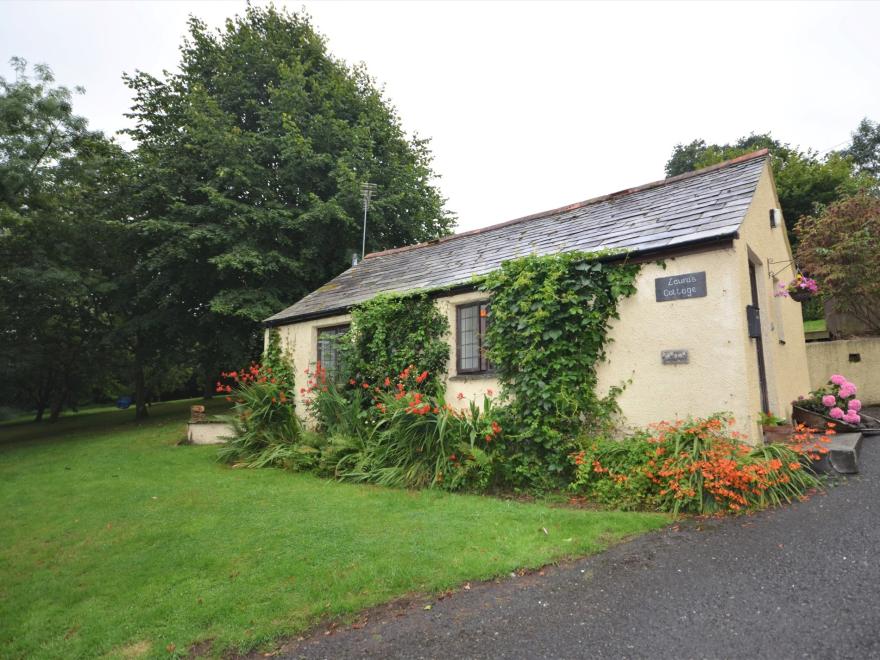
678 287
674 357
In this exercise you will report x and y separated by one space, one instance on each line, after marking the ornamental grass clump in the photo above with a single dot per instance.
404 437
267 430
697 466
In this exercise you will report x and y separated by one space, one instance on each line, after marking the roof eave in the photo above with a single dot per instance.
704 243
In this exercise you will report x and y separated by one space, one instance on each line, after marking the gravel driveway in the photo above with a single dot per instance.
801 581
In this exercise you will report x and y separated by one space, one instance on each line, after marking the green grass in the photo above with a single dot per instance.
117 542
815 326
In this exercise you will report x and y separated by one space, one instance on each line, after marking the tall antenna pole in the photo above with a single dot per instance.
367 190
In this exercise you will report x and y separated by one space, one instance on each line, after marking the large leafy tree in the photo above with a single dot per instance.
57 182
865 148
251 161
805 181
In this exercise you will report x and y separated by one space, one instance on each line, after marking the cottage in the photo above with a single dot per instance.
703 333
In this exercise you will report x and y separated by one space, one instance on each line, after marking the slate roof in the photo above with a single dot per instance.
699 206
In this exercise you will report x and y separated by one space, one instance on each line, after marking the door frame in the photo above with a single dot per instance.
759 340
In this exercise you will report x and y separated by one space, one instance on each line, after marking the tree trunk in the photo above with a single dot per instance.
41 398
55 410
209 389
140 391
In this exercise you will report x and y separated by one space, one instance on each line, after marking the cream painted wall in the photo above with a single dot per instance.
781 318
721 374
707 327
832 357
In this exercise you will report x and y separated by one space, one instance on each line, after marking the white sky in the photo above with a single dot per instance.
529 106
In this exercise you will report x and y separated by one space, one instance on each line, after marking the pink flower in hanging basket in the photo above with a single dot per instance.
855 405
829 400
837 379
836 413
847 390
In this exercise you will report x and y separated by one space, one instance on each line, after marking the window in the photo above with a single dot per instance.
328 349
470 325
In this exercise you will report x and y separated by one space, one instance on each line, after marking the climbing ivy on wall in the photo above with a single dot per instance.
391 332
547 333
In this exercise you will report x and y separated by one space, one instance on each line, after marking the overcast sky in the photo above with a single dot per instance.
529 106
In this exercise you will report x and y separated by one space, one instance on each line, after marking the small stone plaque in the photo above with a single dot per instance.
679 356
678 287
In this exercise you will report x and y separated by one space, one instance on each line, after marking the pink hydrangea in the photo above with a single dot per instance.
846 390
855 405
829 400
836 413
852 417
837 379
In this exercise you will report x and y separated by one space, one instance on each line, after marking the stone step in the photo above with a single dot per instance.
842 456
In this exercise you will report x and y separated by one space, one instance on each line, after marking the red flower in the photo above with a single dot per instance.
366 386
459 396
351 381
421 377
387 381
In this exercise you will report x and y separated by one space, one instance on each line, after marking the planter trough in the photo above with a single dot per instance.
869 426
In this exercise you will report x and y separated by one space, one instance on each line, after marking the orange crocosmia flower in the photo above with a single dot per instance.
387 381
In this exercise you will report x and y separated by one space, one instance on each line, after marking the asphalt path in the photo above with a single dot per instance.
801 581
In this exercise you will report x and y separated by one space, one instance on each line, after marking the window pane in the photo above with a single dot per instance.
469 338
328 349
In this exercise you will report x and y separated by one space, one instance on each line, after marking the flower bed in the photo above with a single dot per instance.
697 466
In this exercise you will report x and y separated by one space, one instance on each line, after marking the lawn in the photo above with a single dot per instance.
818 325
117 542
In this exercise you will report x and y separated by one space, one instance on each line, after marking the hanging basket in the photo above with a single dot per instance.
800 295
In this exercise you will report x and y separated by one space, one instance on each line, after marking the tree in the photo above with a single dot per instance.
251 161
865 148
55 177
839 248
805 182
